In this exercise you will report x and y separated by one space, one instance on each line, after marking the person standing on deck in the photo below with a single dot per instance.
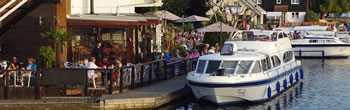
97 52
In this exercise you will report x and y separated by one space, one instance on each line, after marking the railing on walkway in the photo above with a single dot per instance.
130 77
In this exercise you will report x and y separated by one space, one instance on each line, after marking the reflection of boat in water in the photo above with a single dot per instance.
280 102
247 69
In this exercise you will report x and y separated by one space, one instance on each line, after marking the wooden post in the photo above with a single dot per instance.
137 43
172 70
37 87
142 73
121 80
129 45
86 89
110 91
7 84
150 69
132 78
165 70
158 71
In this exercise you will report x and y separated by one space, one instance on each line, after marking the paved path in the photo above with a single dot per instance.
51 100
148 96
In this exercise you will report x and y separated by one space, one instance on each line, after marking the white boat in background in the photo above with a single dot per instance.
248 68
320 46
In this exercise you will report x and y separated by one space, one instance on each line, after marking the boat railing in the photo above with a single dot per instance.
305 51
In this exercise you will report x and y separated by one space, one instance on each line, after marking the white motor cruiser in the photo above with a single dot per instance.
320 46
247 69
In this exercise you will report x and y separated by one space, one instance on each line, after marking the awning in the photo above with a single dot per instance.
193 18
273 15
166 15
217 27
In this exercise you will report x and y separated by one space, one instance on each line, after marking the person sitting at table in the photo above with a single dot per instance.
13 66
93 74
31 66
104 64
118 64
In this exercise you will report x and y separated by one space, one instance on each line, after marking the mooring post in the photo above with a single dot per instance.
111 80
150 69
142 73
132 77
121 80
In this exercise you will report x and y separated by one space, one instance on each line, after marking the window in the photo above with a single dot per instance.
244 67
258 1
297 15
295 2
278 1
264 64
293 15
230 66
213 66
287 56
201 66
312 41
227 49
280 36
256 68
285 35
275 61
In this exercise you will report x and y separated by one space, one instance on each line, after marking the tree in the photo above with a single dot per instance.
335 6
197 7
311 17
178 7
59 38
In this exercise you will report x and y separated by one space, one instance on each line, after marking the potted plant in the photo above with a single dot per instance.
48 55
156 53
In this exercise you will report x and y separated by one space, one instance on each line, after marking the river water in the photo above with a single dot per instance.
326 86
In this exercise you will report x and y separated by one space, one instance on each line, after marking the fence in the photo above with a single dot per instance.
54 82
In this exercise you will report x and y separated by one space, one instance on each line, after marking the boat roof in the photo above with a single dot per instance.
237 56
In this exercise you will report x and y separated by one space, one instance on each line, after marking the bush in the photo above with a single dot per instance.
173 48
311 17
48 55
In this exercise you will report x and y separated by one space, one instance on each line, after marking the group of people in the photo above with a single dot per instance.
14 66
193 44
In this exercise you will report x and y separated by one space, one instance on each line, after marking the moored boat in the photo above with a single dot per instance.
248 68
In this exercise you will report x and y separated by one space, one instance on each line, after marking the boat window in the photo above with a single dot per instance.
275 61
256 68
244 67
230 66
227 49
280 36
201 66
268 63
312 41
213 66
264 64
330 41
287 56
285 35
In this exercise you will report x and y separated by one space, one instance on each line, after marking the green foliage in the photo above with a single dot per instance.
171 27
143 10
311 17
214 37
59 37
188 27
217 18
178 7
334 6
173 49
48 55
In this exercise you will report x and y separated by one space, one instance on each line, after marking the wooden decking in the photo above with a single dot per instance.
146 97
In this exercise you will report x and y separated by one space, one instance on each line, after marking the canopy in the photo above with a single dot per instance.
217 27
166 15
193 18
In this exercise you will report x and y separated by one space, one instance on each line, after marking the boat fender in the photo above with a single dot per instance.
278 86
187 90
269 92
297 76
291 79
301 74
285 84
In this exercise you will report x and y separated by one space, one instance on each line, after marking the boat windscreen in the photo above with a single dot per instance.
230 66
201 66
244 66
227 49
213 66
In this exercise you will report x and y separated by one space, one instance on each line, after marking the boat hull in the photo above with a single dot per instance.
321 50
221 94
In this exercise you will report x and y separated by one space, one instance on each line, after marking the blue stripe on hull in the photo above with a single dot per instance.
262 82
321 45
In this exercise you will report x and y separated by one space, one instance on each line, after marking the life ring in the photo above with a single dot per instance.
278 86
291 79
269 92
285 84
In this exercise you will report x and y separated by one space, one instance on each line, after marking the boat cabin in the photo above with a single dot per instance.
259 35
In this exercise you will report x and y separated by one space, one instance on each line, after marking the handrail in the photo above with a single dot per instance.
12 10
7 5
